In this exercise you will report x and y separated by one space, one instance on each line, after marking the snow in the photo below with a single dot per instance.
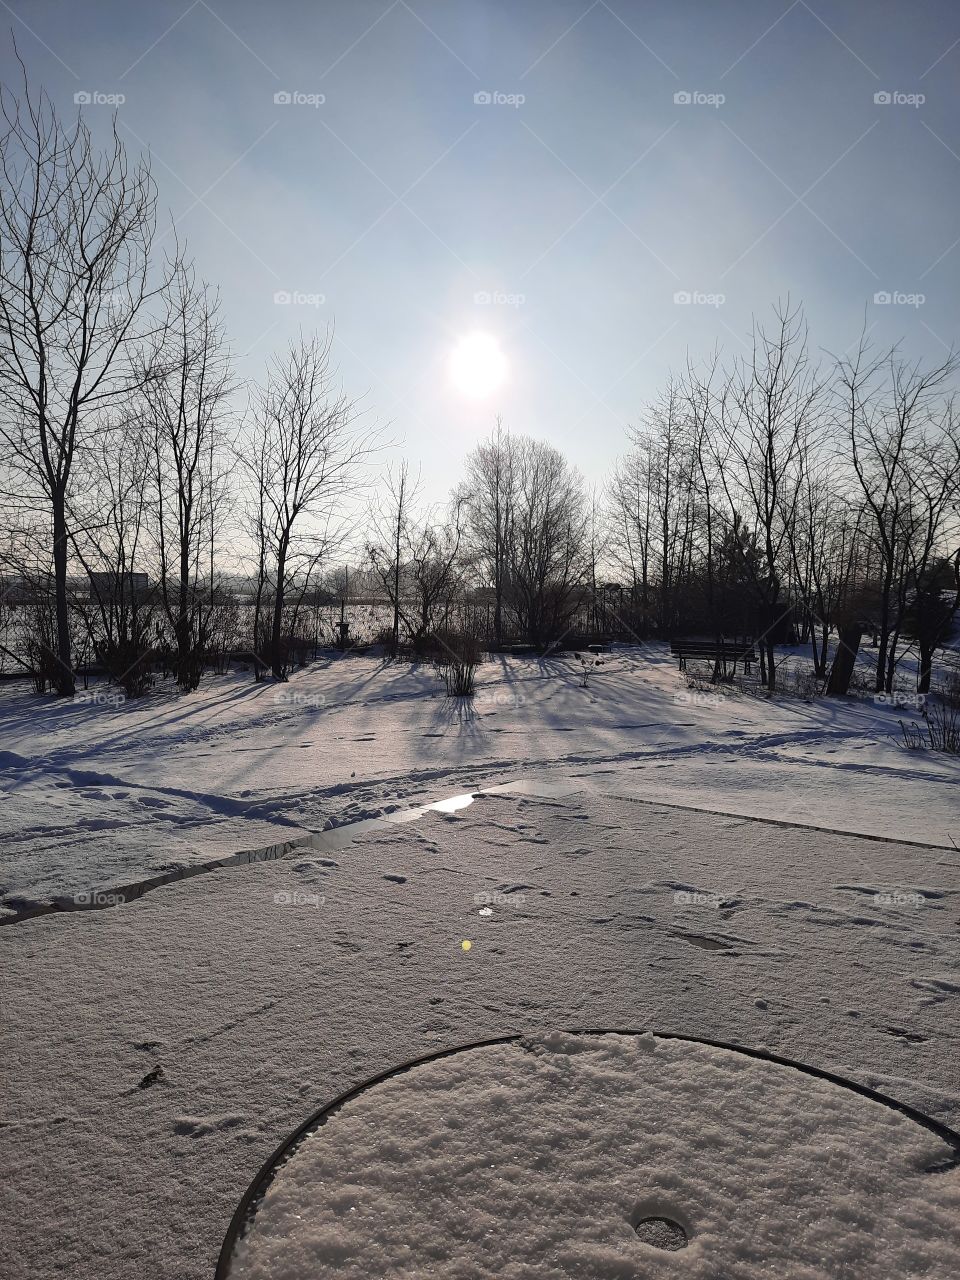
151 786
540 1158
156 1051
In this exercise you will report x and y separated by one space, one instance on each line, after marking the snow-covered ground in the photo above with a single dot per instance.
546 1155
98 796
778 873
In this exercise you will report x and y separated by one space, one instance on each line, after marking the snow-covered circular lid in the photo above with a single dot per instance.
604 1157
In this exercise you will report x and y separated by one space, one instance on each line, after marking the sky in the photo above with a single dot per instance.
596 188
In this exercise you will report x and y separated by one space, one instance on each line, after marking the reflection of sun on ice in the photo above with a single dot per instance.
477 365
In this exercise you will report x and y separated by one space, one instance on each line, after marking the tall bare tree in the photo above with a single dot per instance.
487 495
775 404
186 379
885 403
546 539
76 227
390 537
306 459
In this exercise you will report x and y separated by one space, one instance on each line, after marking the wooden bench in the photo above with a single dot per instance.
732 651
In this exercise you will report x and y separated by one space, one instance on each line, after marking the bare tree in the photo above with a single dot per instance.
306 460
885 403
108 527
630 520
433 547
186 382
487 495
75 232
775 403
390 537
546 540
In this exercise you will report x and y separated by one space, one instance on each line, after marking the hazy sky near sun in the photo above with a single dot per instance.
579 201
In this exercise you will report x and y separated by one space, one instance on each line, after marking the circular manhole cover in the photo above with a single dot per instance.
601 1156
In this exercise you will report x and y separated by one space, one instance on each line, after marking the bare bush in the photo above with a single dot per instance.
940 730
460 655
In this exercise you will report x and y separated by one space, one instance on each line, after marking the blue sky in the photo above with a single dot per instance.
582 210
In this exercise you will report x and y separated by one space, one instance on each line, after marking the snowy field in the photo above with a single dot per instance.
97 796
779 873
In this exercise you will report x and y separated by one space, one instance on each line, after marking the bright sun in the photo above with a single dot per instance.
477 365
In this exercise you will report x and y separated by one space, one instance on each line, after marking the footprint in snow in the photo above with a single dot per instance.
194 1127
704 943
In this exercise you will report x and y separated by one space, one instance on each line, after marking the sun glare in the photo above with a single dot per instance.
477 365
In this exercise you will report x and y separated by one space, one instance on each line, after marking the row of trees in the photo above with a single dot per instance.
779 494
516 532
771 495
119 443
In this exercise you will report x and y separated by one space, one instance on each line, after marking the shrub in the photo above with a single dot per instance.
940 730
458 658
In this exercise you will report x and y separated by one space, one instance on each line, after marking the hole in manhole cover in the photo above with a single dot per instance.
662 1233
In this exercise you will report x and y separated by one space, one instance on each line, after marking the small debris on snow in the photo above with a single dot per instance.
156 1076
